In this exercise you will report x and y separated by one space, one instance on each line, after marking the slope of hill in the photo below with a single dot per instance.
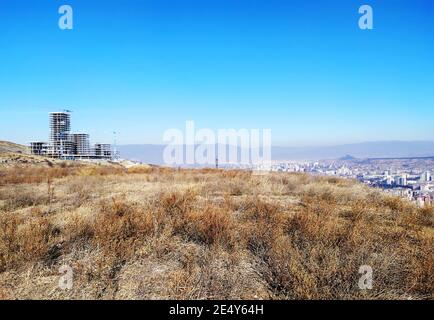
10 147
12 154
157 233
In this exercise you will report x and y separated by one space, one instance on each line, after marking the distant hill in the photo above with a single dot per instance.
380 149
12 154
347 157
383 149
147 153
10 147
16 154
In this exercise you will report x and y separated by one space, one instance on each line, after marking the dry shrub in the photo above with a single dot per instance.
424 216
102 170
33 174
84 189
18 197
260 223
258 210
358 210
420 278
175 205
208 225
140 169
24 241
3 294
212 274
231 174
119 224
393 203
335 181
202 234
8 240
37 174
315 252
237 187
211 226
214 226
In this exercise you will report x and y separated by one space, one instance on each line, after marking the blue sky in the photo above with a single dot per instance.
302 68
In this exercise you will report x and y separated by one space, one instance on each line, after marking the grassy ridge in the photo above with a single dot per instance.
6 146
151 233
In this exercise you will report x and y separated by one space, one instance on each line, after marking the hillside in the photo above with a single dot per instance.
10 147
154 233
12 154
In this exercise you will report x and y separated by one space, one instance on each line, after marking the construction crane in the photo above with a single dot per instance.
115 151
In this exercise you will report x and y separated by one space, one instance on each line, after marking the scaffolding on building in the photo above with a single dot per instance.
64 145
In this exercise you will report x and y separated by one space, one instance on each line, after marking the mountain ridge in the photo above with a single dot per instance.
152 153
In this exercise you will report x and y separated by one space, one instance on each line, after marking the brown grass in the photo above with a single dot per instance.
152 233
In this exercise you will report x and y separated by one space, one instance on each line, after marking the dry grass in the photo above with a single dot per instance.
154 233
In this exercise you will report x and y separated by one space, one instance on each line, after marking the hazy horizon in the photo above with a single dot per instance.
153 153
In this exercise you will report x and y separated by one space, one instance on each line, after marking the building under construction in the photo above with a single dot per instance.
64 145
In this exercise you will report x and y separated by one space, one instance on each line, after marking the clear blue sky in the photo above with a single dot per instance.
302 68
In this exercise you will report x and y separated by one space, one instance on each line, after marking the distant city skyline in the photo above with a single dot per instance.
301 68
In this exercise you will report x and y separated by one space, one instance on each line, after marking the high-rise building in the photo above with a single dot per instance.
401 180
60 137
103 150
65 145
425 177
82 144
39 148
60 125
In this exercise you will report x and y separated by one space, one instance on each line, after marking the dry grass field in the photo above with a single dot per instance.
155 233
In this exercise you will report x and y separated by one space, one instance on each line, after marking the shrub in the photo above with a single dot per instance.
164 233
